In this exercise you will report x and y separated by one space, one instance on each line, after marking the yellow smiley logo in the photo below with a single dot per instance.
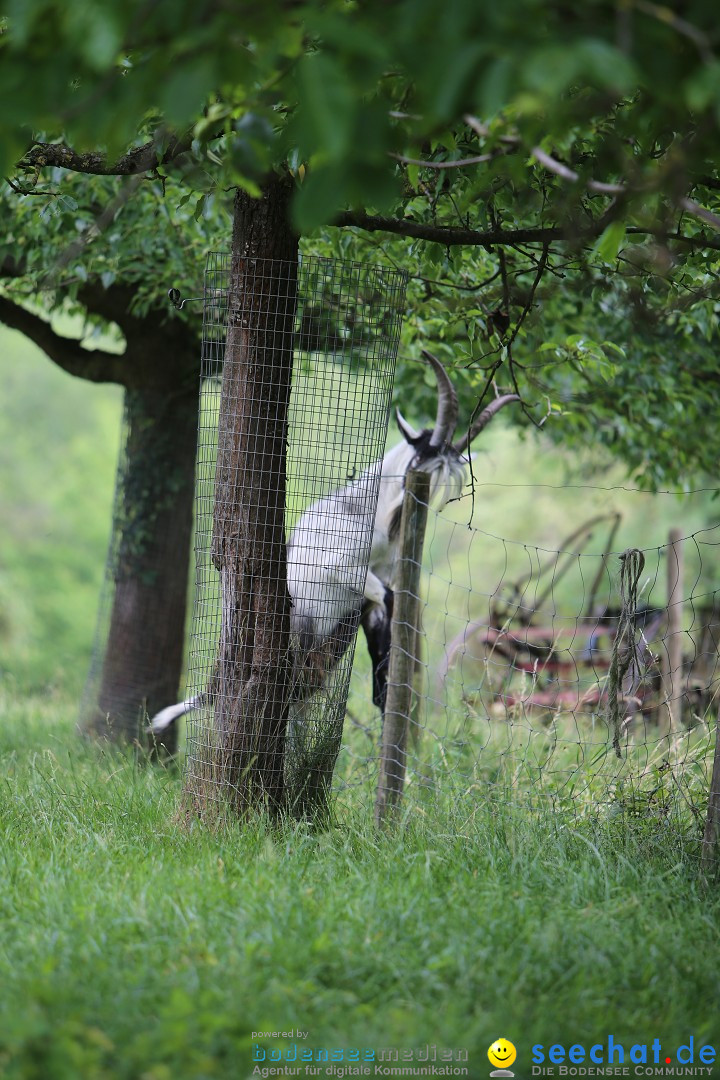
502 1053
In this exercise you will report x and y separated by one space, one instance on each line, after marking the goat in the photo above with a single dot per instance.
341 558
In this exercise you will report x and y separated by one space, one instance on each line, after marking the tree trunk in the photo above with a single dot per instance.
149 563
250 686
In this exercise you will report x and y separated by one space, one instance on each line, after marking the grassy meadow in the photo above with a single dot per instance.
133 947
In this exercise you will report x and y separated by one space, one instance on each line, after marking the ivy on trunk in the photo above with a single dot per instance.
150 553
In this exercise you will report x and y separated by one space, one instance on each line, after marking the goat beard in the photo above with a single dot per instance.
447 480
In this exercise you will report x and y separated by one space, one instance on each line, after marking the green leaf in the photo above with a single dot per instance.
326 106
314 201
610 241
494 86
703 88
185 90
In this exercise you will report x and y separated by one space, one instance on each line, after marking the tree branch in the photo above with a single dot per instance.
458 164
67 353
557 167
665 15
450 236
691 207
446 235
553 165
140 159
113 303
601 187
541 267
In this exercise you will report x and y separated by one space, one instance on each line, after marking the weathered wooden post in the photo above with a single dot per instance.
711 836
405 636
672 661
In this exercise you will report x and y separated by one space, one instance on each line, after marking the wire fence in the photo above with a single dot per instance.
579 676
539 678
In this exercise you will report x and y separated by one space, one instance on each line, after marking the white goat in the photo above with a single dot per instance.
341 559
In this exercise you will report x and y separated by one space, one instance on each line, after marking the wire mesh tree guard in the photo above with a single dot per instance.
345 321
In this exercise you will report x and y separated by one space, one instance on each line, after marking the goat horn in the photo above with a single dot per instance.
483 420
407 431
447 410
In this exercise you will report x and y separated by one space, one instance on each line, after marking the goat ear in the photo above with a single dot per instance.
409 434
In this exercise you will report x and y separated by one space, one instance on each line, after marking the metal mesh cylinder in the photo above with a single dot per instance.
345 333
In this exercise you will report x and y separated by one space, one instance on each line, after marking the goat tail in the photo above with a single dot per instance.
169 715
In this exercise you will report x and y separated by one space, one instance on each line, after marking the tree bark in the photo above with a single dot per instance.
152 538
251 682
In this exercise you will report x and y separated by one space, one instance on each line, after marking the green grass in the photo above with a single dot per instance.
556 901
131 947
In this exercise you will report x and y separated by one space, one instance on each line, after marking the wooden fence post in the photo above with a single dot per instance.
711 836
405 636
672 661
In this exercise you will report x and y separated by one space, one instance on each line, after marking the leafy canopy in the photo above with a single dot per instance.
548 173
635 89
